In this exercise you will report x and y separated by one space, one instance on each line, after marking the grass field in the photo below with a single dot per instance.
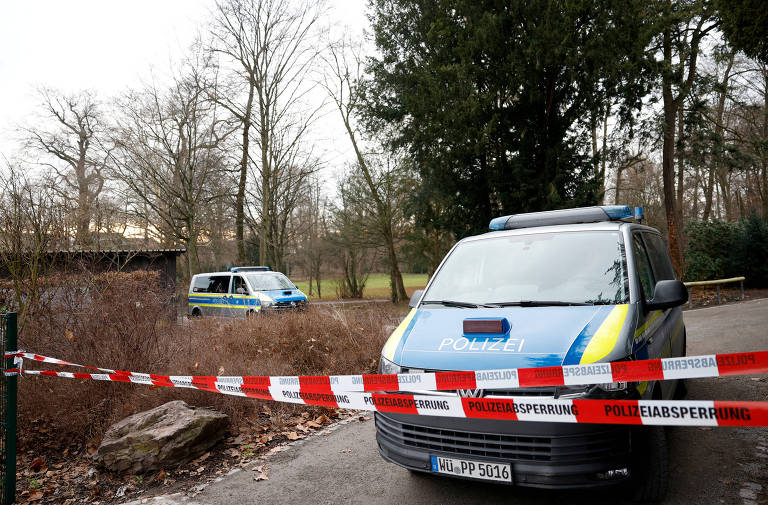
377 286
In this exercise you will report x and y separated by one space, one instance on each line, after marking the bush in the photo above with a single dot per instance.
718 249
125 321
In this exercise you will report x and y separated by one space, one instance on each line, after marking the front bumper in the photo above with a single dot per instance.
545 455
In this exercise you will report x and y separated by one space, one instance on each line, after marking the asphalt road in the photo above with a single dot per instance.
707 465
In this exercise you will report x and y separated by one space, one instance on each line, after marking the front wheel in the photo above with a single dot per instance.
649 464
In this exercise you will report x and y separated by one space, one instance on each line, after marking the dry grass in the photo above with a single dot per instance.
126 322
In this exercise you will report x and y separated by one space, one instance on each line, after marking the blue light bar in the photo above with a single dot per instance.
498 223
250 269
616 212
565 216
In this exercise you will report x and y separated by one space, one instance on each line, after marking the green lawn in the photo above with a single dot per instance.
377 286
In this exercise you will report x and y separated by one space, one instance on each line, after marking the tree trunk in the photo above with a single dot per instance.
680 151
668 176
240 199
397 288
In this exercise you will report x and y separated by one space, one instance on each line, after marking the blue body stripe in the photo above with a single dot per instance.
573 357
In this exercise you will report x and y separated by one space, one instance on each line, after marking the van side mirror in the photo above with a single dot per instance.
415 297
668 294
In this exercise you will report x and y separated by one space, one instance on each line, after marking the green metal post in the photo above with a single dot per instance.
11 384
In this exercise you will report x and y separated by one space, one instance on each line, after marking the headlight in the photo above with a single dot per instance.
387 367
613 386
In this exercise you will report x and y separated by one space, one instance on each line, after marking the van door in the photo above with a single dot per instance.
663 270
218 289
651 336
238 296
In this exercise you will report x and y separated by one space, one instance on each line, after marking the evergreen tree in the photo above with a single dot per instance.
494 99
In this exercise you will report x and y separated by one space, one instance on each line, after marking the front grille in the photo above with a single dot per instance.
592 446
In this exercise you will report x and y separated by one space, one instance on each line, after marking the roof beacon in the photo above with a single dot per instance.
250 269
639 215
565 216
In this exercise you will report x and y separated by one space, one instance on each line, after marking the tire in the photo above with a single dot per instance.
650 464
681 389
196 313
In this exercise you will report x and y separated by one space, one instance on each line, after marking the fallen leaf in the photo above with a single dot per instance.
37 464
321 419
291 435
313 424
261 472
35 495
200 470
161 475
301 427
70 336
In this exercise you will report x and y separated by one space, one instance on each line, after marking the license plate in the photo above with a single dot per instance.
476 469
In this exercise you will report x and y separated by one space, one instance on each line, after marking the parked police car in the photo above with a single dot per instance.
570 287
242 291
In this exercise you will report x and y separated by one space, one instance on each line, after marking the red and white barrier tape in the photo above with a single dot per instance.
690 367
542 409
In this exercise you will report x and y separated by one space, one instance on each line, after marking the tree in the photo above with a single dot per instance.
745 26
30 228
344 75
166 155
268 45
70 140
493 101
350 232
683 26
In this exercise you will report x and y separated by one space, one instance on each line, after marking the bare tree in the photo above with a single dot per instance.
69 138
30 227
268 44
166 155
344 63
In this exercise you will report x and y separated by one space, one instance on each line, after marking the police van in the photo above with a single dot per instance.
242 292
577 286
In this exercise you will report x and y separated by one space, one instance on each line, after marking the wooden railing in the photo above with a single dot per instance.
718 283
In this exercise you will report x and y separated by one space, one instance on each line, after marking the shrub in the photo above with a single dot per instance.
125 321
718 249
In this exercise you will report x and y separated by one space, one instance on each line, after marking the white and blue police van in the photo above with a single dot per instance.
577 286
242 292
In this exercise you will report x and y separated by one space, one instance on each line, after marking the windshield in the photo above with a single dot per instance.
266 281
573 267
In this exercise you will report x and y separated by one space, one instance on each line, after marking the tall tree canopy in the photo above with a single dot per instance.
745 25
494 99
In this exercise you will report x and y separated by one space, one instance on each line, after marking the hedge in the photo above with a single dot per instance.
719 249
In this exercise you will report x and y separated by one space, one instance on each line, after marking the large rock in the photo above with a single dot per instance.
163 437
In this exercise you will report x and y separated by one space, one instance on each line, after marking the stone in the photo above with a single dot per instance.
163 437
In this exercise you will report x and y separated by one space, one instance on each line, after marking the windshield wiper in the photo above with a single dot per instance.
451 303
537 303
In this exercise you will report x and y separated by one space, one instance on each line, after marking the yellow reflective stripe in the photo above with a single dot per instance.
254 307
606 336
647 323
394 340
642 387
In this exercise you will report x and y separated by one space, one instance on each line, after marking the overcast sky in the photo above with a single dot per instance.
108 46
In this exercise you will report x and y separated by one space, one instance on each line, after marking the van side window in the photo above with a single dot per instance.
218 284
200 285
644 272
657 252
238 285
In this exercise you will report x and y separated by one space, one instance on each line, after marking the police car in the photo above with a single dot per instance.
241 292
565 287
